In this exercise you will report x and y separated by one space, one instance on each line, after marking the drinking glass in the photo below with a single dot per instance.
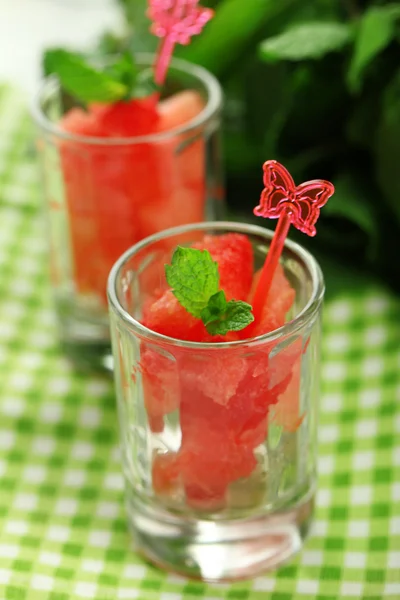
105 194
218 440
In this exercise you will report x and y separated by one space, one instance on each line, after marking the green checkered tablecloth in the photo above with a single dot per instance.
62 526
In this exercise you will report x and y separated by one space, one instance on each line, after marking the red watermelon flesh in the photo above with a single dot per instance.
219 439
117 195
210 458
219 378
287 411
123 119
174 111
165 473
160 386
280 301
286 365
225 399
234 255
185 172
168 317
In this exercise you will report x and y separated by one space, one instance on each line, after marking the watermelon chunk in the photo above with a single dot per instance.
280 301
219 378
165 473
168 317
234 255
178 109
118 194
285 367
160 386
226 398
287 364
127 119
210 456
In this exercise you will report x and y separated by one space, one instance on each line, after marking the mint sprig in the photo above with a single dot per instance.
194 279
220 316
119 80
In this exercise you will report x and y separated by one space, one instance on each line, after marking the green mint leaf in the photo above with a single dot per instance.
82 80
234 316
215 308
144 85
193 277
376 30
124 70
306 41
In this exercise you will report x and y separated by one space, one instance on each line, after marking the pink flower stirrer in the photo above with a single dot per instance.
175 22
298 206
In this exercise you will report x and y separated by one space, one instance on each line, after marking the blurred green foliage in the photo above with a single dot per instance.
315 85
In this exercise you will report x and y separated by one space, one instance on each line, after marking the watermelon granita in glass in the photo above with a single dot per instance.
217 408
117 171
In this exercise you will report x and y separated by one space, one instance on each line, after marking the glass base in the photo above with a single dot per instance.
219 550
85 335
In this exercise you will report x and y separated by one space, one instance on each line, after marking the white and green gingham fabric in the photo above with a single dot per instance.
63 532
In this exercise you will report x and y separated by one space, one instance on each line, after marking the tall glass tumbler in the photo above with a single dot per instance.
218 440
105 194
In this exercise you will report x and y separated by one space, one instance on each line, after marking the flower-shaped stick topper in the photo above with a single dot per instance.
292 205
175 22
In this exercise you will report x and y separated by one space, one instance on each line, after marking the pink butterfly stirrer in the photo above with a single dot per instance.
298 206
175 22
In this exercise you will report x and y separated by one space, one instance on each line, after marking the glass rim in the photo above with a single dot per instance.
212 107
288 329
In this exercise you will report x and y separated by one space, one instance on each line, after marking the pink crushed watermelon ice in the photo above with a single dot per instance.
165 473
286 365
225 400
286 412
280 301
166 316
160 386
116 195
234 255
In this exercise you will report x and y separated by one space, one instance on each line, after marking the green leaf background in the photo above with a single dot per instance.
315 85
306 41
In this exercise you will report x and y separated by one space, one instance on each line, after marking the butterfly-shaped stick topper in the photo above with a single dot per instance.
175 21
300 204
292 205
